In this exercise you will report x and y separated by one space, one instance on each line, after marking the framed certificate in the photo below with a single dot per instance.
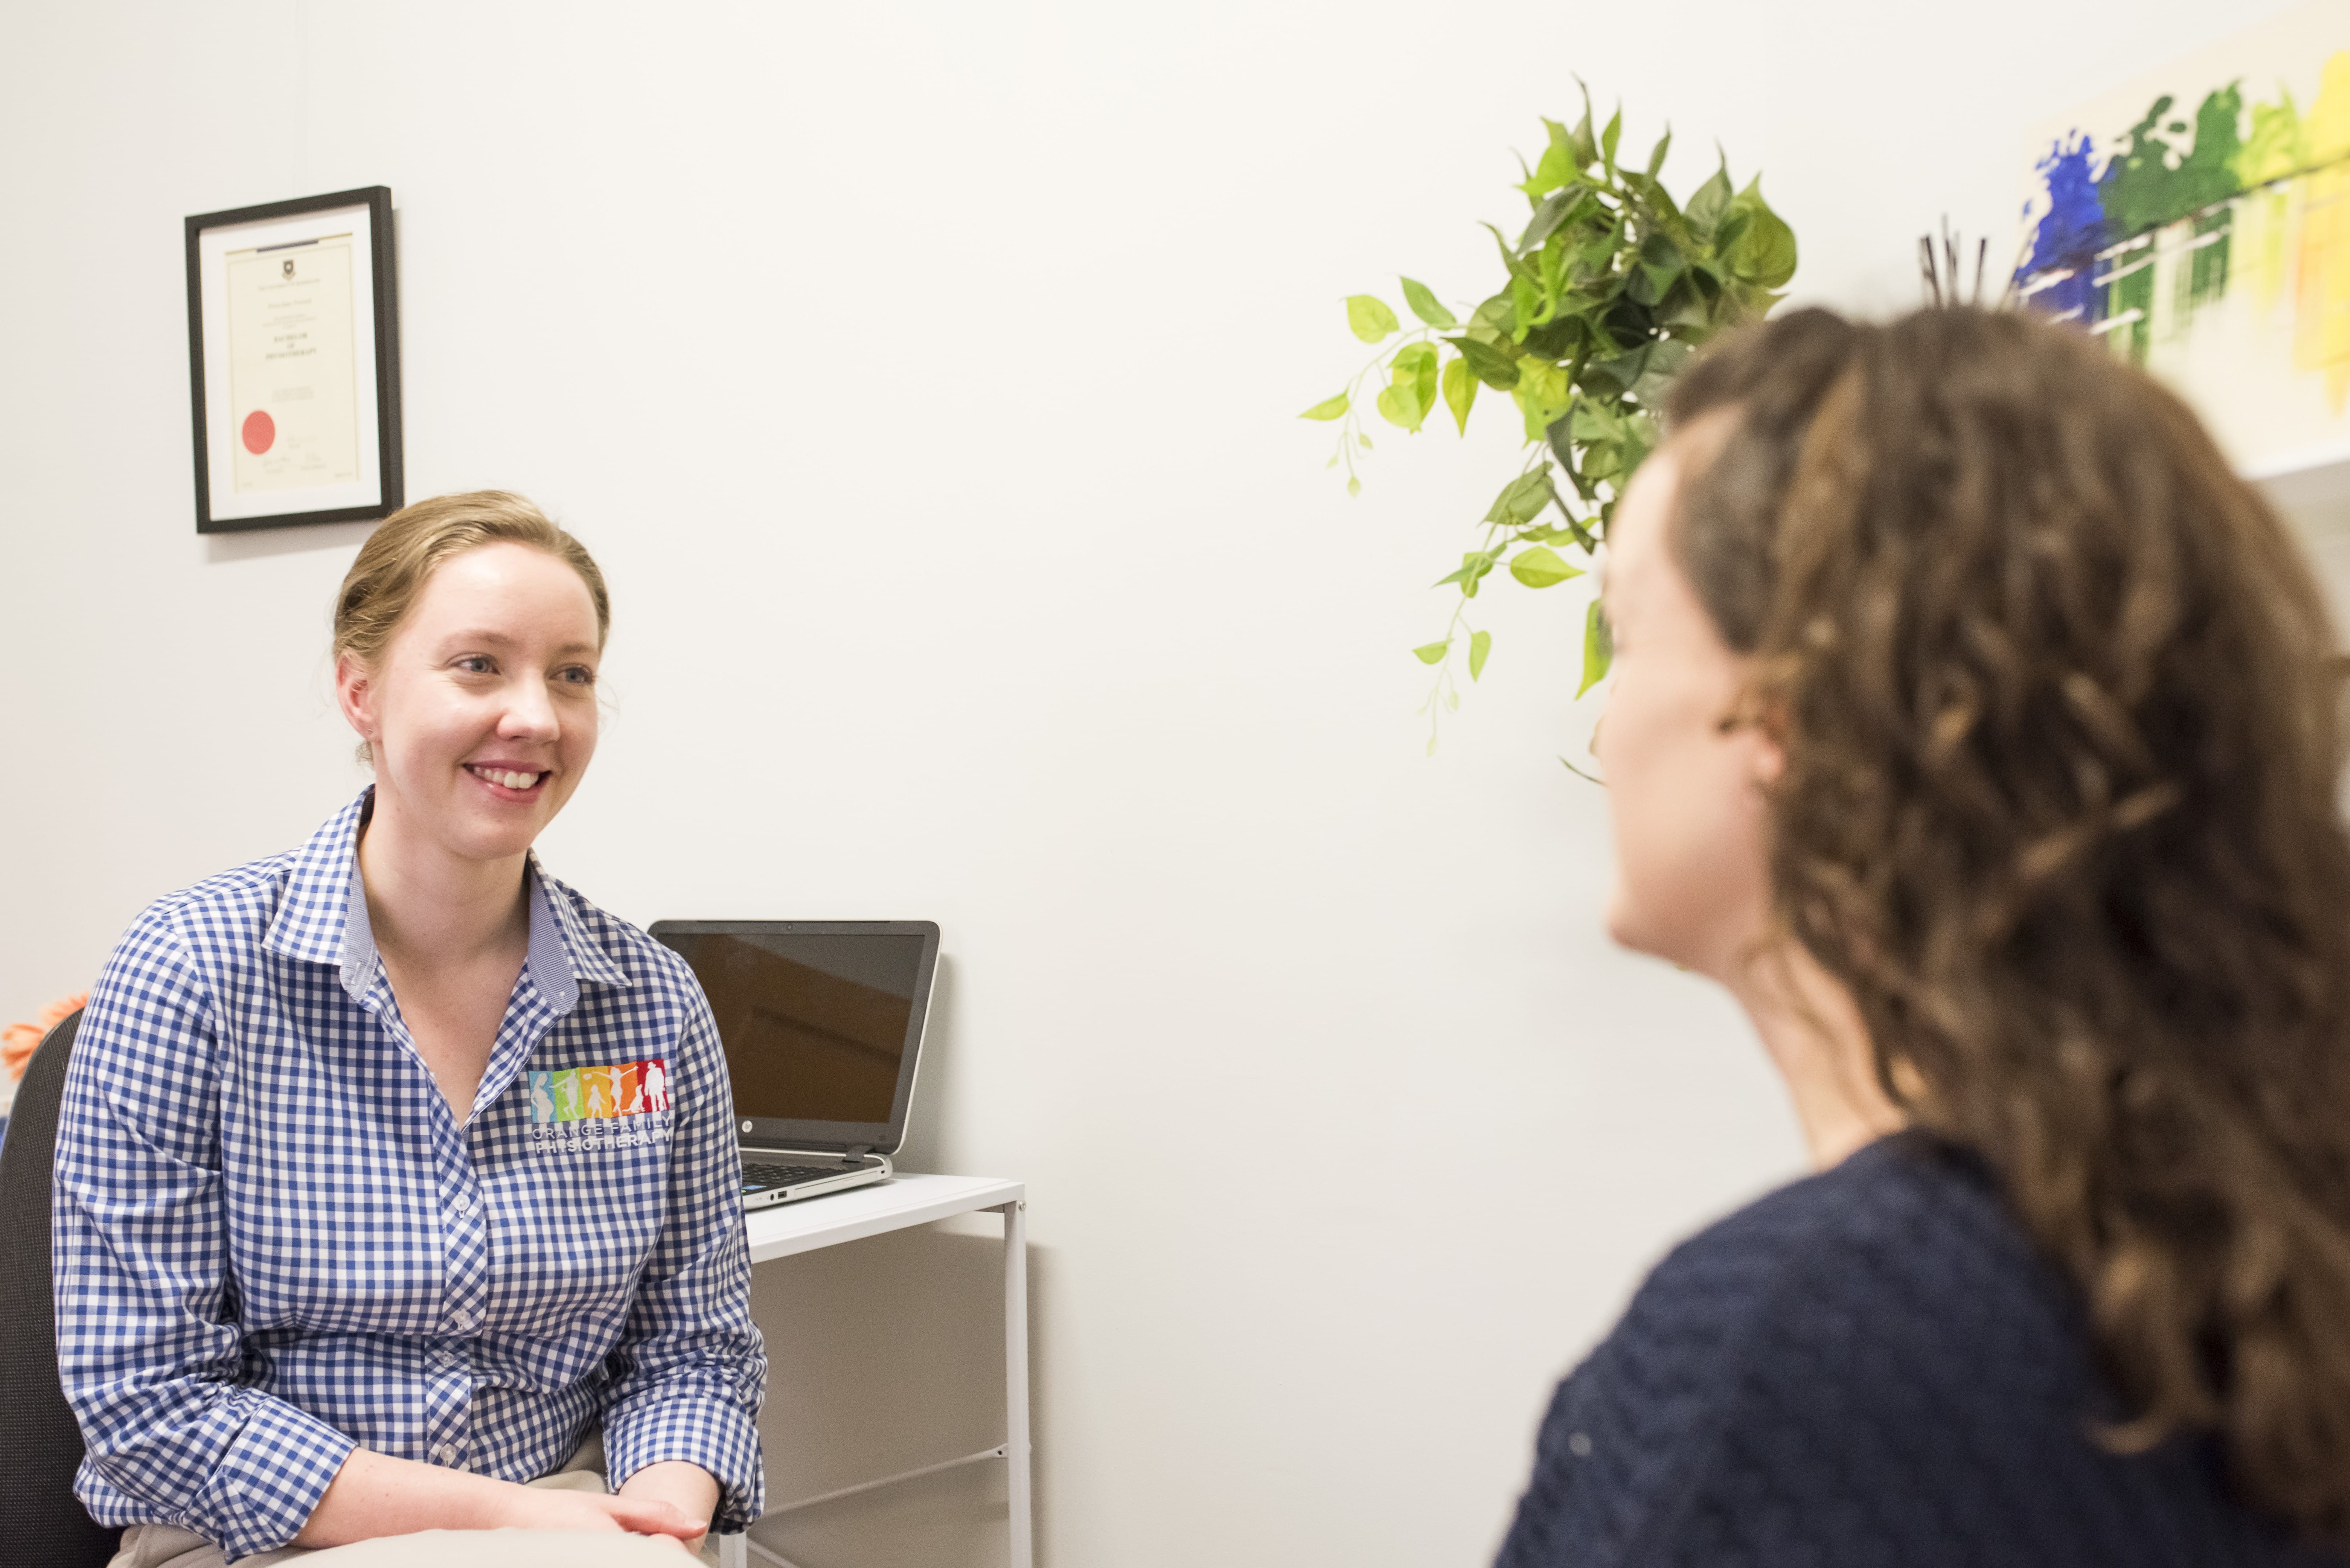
294 362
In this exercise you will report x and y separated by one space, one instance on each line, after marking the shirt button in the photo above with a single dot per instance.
445 1454
464 1203
462 1321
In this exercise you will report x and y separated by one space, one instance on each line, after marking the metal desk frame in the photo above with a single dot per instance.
896 1205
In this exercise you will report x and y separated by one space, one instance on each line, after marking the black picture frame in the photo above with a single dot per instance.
379 316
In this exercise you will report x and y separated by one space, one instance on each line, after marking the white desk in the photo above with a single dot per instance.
894 1205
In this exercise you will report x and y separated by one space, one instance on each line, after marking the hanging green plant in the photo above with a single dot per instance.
1608 290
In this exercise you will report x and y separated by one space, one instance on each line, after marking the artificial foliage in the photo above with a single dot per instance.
1606 291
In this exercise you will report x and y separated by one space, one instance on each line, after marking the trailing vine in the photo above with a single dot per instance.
1608 290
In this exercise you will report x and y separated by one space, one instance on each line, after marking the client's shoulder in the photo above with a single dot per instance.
1906 1241
1903 1190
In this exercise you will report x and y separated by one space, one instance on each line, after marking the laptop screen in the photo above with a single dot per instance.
815 1024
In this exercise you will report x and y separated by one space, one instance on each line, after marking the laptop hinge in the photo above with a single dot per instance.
859 1150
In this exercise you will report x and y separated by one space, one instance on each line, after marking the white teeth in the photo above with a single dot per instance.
510 780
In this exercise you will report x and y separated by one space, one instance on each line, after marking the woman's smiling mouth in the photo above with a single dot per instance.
513 779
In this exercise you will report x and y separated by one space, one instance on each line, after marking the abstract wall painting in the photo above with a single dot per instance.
2197 220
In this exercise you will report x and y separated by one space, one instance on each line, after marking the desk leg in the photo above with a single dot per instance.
1016 1382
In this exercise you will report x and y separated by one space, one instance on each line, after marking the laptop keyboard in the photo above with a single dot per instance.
757 1177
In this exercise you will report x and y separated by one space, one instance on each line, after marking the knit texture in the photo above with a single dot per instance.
1871 1366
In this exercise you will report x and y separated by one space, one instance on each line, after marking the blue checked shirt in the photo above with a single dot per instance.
274 1240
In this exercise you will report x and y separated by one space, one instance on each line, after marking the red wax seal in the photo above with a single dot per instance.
260 431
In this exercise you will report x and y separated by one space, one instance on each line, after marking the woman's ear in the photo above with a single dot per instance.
355 695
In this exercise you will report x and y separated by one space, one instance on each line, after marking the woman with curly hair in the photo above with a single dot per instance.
1981 731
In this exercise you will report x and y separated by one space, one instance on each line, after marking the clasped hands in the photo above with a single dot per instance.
376 1495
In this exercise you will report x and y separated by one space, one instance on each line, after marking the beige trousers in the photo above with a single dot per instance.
165 1546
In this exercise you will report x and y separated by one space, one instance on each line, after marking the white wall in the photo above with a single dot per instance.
923 376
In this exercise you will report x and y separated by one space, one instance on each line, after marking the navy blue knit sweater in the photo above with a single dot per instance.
1869 1367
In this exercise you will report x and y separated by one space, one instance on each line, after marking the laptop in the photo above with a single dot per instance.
822 1025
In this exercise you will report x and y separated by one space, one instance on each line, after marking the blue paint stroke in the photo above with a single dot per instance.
2070 232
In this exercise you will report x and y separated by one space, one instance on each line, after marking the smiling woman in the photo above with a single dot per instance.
316 1283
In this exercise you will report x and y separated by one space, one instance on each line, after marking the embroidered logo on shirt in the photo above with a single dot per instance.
625 1104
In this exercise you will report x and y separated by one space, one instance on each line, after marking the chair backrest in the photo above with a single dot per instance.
40 1445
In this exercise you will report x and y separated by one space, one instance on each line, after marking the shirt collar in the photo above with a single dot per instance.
323 917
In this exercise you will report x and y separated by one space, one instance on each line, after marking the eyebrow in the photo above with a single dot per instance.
488 639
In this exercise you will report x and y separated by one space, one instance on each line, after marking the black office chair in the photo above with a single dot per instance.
40 1446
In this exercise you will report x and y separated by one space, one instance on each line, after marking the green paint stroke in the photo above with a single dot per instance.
2149 183
2278 145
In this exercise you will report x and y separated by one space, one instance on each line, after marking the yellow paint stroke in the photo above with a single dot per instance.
2277 148
2322 336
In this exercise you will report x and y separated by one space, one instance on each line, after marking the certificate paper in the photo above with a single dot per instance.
294 362
292 400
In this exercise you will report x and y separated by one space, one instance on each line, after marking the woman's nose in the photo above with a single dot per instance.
530 714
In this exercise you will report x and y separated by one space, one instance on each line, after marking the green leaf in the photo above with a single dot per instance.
1415 367
1474 565
1426 305
1610 136
1370 316
1519 270
1487 363
1666 357
1554 210
1479 644
1542 567
1555 167
1598 646
1705 208
1354 486
1399 405
1657 159
1328 408
1638 444
1764 254
1460 391
1688 307
1432 652
1612 375
1580 145
1594 422
1542 394
1522 499
1497 319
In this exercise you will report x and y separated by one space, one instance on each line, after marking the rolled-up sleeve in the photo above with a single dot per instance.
691 1369
148 1347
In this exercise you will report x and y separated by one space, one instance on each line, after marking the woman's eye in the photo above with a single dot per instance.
576 675
476 664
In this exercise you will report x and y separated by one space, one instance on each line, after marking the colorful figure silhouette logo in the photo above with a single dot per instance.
617 1092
